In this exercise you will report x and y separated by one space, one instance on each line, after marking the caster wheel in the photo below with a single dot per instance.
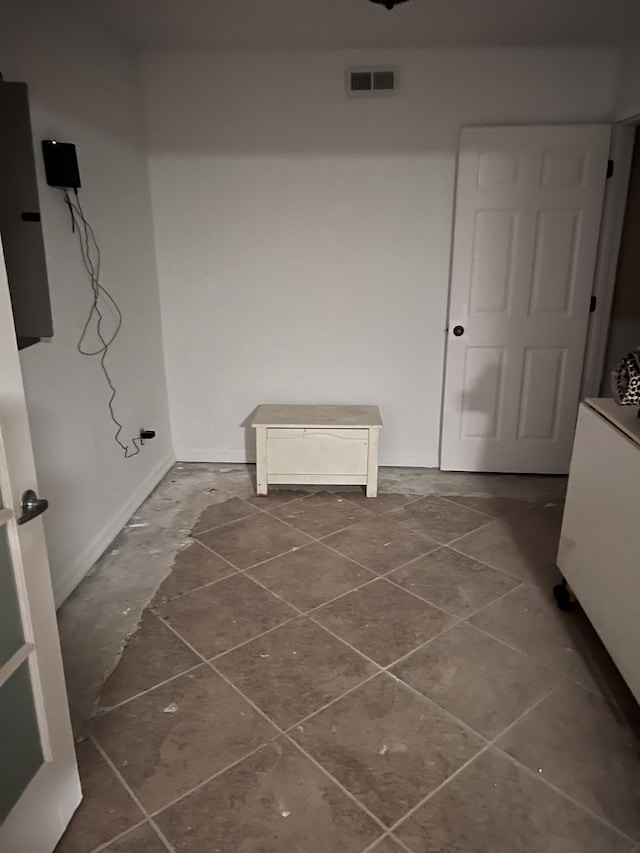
564 598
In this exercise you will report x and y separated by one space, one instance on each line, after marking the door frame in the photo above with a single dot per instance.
611 227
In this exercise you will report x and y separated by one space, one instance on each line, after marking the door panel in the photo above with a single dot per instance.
528 208
541 392
11 634
22 748
556 241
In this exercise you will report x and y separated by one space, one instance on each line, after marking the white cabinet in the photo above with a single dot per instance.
599 552
319 445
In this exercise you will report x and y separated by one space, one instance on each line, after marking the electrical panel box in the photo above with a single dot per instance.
20 227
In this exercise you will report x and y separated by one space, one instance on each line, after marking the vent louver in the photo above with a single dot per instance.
361 81
383 80
371 82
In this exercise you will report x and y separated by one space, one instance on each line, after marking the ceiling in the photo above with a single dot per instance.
332 24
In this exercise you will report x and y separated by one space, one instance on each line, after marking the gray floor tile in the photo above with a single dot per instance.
382 621
140 840
193 567
453 581
294 670
321 514
576 741
276 497
252 540
276 801
388 845
310 576
438 518
382 503
528 619
222 513
493 806
106 810
174 737
218 617
524 545
153 654
380 544
496 507
482 682
387 745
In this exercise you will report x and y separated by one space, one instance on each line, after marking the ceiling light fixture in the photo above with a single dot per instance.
388 4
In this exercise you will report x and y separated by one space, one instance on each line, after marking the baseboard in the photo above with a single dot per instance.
393 460
103 539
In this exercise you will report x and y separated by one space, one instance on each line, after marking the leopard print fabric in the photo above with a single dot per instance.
625 380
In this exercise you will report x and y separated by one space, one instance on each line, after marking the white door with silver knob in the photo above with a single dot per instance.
527 220
39 784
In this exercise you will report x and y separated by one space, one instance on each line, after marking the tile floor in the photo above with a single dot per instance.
321 673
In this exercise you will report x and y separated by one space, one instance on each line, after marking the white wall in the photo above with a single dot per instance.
303 238
84 88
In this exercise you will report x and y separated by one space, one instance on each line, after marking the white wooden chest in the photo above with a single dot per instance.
317 445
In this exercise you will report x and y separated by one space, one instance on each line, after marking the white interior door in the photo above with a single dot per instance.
527 220
39 784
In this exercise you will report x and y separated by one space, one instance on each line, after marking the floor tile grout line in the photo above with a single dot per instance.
317 538
362 565
102 711
164 601
377 576
485 748
412 500
579 805
250 514
386 668
451 499
489 743
284 734
331 702
105 844
303 613
463 506
421 598
468 533
215 775
268 559
466 615
372 847
371 516
493 743
563 675
489 566
328 630
336 782
524 714
462 554
457 620
96 742
150 815
231 648
449 714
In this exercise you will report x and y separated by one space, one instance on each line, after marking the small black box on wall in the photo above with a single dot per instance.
61 164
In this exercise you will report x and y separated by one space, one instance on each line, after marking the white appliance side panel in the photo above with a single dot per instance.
599 552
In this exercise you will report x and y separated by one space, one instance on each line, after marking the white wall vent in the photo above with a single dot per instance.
371 82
